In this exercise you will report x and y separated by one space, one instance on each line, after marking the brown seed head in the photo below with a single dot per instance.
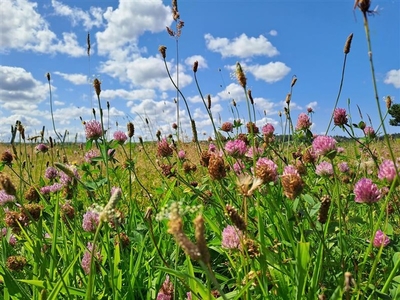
195 66
288 97
32 194
67 212
48 77
31 211
347 45
194 130
292 185
7 185
294 80
199 230
170 31
252 128
216 167
236 219
163 51
324 209
241 77
205 158
250 97
96 85
388 101
175 227
130 129
209 101
6 157
251 247
16 263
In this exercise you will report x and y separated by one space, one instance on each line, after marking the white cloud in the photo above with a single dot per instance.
271 72
23 28
232 91
313 105
19 90
200 59
393 77
273 32
241 46
128 95
58 103
93 18
130 20
74 78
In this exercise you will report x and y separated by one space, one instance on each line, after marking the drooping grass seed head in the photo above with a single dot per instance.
294 80
163 51
195 66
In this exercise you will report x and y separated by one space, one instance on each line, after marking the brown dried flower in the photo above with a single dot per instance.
241 77
216 167
205 158
96 85
131 129
163 51
324 209
236 219
292 185
32 194
7 185
16 263
347 46
199 230
195 66
250 97
6 157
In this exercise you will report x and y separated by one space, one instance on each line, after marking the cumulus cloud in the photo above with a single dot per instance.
393 77
76 79
242 46
128 21
19 90
200 59
128 95
24 29
89 19
273 32
271 72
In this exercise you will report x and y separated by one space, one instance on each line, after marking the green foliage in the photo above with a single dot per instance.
394 111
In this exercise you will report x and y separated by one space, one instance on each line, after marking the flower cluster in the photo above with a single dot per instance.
87 257
340 117
120 137
324 145
235 148
324 169
231 237
303 122
366 191
93 130
387 171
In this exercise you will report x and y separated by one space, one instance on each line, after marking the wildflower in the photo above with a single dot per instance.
16 263
164 149
216 167
87 257
235 148
166 291
55 187
227 127
268 129
292 184
380 239
289 169
5 198
51 173
343 167
32 194
181 154
41 148
309 156
6 157
340 150
88 157
324 145
174 126
324 169
120 136
310 110
366 191
93 130
252 128
387 171
251 151
231 237
340 117
67 211
11 240
238 167
31 211
266 170
108 212
369 132
91 220
212 148
303 122
7 185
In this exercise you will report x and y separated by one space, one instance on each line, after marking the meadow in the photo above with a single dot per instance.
247 214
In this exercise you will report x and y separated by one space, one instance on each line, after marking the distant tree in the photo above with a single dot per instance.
394 111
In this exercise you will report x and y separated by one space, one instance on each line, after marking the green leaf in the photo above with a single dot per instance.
302 260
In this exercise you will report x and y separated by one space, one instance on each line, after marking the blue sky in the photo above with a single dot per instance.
273 40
